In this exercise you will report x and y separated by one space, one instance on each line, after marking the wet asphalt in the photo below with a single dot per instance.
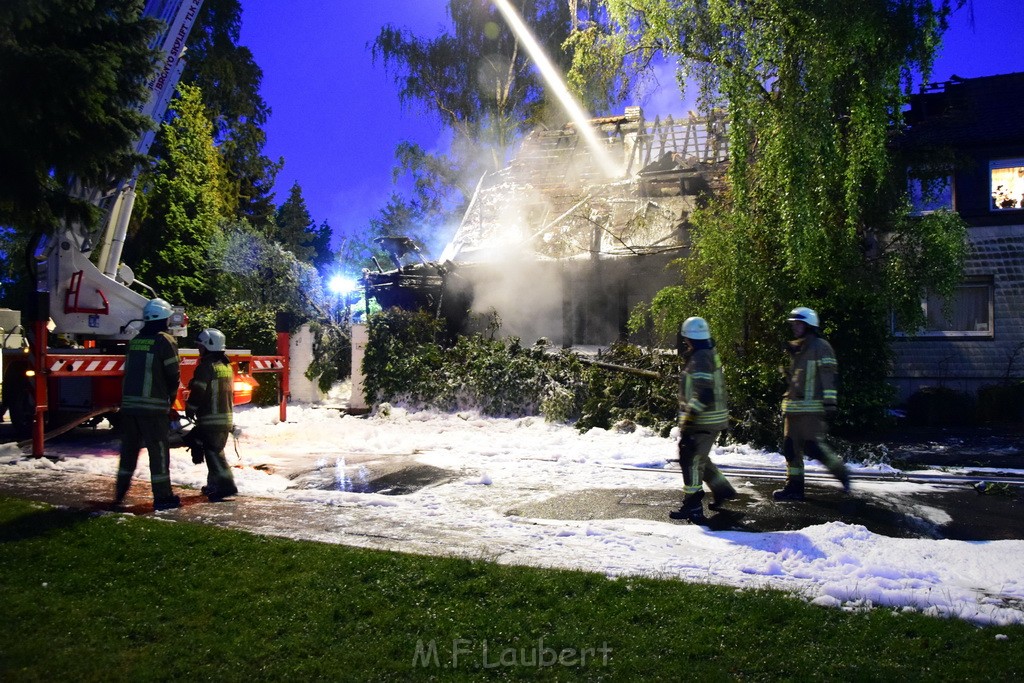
960 510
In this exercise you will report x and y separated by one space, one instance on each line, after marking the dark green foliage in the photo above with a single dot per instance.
940 406
614 396
811 215
230 80
71 77
124 598
15 284
298 233
183 210
332 353
403 358
407 363
1001 403
246 327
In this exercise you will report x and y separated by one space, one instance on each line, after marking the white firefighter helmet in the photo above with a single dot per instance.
156 309
696 328
211 339
804 315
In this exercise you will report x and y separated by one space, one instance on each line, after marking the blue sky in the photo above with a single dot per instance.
336 118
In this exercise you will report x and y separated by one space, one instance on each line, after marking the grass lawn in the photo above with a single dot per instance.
115 597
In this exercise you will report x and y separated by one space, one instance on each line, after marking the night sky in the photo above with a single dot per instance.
336 118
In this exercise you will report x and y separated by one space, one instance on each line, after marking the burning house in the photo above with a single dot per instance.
559 248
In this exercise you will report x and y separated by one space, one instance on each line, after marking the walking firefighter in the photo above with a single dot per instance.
810 396
703 414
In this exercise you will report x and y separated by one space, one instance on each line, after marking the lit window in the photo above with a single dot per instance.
967 313
1006 184
930 194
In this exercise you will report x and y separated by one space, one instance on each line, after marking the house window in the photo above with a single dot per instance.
967 313
930 194
1006 184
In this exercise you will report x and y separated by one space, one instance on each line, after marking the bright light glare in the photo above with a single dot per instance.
341 285
555 82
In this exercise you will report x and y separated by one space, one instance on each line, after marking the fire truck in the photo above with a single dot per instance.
64 366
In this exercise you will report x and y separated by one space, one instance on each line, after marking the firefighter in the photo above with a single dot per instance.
703 414
210 403
810 396
150 387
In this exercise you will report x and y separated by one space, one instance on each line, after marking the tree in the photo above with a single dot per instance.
812 92
230 79
482 86
263 272
478 80
71 76
183 207
296 231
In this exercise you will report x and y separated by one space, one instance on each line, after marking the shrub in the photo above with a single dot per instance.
940 406
406 363
1001 403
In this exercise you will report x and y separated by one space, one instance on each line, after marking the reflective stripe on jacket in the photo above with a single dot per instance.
812 377
211 393
703 400
151 376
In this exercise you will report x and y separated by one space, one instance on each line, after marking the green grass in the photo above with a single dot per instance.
115 597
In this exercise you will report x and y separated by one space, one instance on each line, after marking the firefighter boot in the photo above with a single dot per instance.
121 489
692 506
793 490
844 479
722 495
168 503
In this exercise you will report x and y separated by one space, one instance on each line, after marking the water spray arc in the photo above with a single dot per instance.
554 80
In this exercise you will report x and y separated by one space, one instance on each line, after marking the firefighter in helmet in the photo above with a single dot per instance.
703 414
150 387
810 396
210 404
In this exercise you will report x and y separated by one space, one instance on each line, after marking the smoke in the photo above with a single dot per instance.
526 294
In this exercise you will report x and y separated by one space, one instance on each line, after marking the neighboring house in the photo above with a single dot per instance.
967 136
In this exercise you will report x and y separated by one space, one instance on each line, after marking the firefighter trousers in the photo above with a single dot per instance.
694 458
219 480
802 435
152 431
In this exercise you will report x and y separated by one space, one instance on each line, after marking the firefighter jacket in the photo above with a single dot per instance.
211 392
150 374
811 376
703 400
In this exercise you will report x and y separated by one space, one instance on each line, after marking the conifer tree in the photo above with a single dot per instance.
71 77
183 208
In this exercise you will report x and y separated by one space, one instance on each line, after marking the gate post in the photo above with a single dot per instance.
282 322
38 342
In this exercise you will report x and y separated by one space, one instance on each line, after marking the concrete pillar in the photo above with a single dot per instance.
360 338
300 355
